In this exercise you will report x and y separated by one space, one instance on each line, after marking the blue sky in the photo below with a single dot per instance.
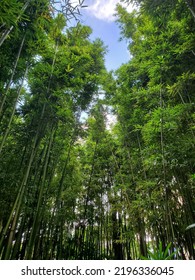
99 16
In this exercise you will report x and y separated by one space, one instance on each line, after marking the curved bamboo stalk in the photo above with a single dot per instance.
12 75
13 112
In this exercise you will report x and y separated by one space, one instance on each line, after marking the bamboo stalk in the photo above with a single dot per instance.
18 202
7 32
38 214
13 112
12 75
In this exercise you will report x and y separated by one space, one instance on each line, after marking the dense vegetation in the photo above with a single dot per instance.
74 189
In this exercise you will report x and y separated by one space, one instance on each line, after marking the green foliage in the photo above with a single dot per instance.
9 12
160 254
154 102
96 188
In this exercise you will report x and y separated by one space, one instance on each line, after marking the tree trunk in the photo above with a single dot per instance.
117 245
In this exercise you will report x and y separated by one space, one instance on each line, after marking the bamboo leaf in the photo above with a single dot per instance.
190 226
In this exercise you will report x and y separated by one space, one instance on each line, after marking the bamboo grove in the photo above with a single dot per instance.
74 187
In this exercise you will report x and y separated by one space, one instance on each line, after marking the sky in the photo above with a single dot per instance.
99 15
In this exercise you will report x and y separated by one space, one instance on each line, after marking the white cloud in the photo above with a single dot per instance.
104 9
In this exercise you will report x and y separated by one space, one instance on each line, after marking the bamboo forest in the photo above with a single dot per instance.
97 164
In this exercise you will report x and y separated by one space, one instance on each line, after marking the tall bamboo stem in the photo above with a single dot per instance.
12 75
